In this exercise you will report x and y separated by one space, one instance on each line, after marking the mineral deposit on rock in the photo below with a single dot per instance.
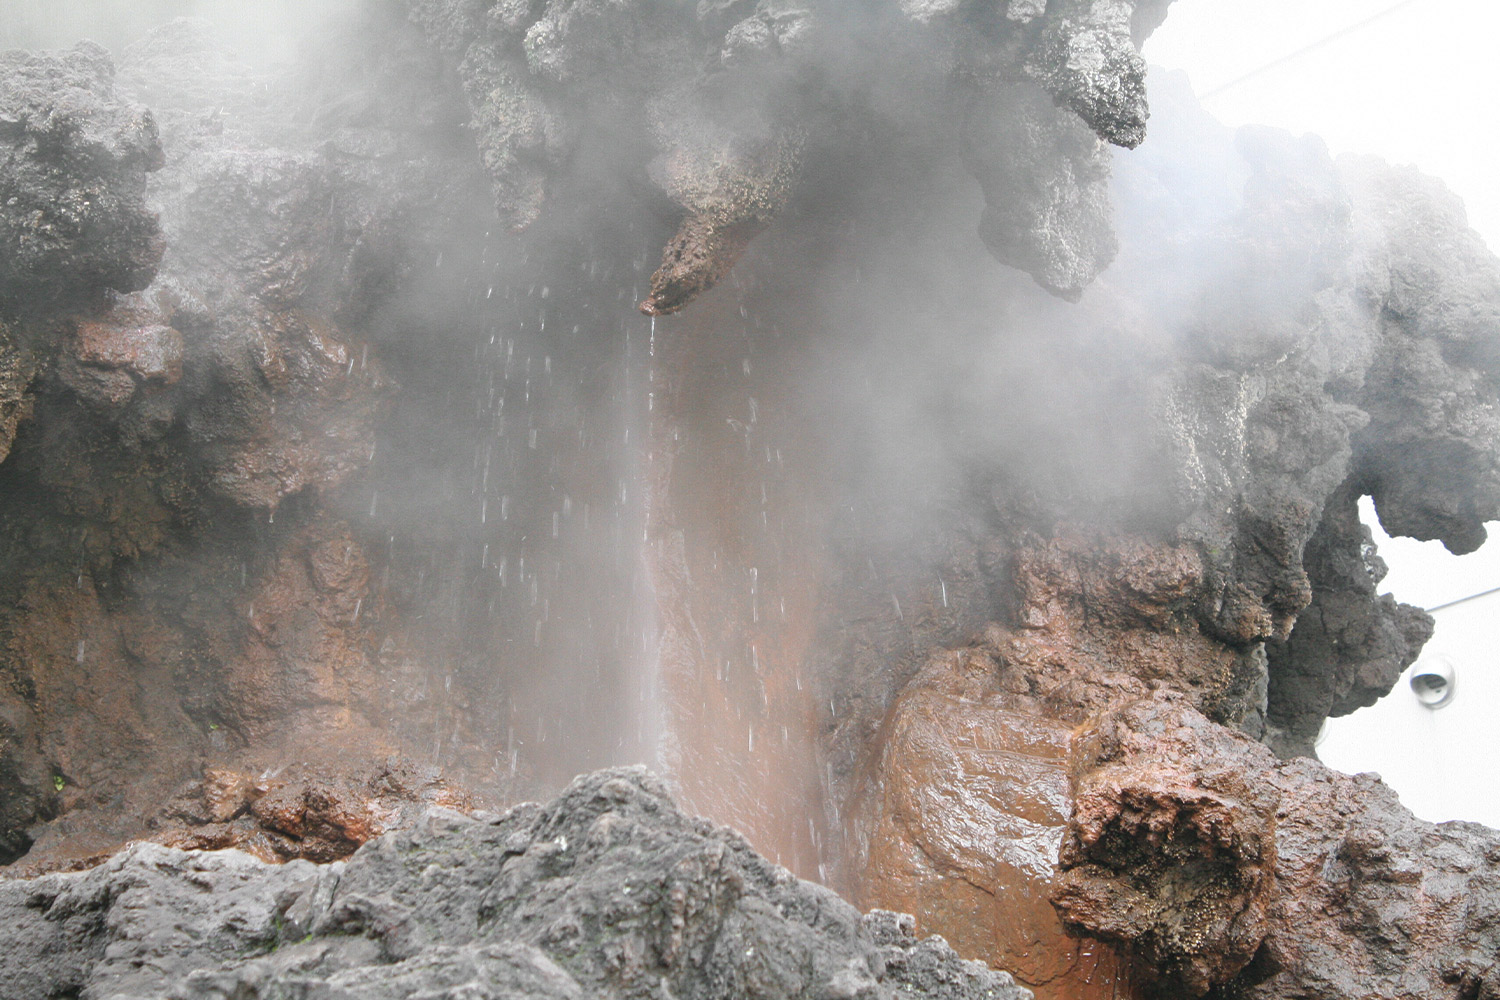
981 492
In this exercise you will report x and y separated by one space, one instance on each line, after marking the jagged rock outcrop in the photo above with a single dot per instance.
1223 871
1350 646
857 543
609 891
75 157
74 226
1206 542
720 104
169 385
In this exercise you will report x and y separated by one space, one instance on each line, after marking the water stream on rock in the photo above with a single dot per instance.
971 517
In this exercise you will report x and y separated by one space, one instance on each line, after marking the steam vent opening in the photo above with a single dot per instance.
748 498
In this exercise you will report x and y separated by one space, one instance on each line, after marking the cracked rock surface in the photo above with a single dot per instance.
1218 866
608 891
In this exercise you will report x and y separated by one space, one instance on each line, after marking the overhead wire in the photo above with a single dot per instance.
1464 600
1304 50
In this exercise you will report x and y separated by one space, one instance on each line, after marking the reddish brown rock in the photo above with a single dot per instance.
969 787
961 826
824 587
1170 852
16 371
1222 871
227 793
150 353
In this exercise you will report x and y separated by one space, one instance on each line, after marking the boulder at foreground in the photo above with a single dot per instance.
1225 872
608 891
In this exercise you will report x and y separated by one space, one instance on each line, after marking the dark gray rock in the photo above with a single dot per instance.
609 891
1045 179
1349 646
1088 58
555 87
73 162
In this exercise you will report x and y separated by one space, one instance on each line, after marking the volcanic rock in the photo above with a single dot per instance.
73 157
1215 865
171 420
735 95
876 544
608 891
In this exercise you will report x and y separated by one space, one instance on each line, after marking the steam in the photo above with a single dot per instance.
262 33
604 538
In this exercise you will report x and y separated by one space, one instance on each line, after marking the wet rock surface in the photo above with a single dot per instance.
180 356
1223 561
74 154
608 891
365 486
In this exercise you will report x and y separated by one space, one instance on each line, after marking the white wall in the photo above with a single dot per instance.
1444 762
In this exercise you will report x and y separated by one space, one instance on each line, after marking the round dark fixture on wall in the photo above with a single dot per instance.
1432 681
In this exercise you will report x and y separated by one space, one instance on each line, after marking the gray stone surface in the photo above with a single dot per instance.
73 162
609 891
554 84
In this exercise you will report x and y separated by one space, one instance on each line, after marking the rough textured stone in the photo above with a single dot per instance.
245 373
609 891
1060 231
16 371
555 83
73 163
1350 646
855 543
1088 59
1233 570
1225 872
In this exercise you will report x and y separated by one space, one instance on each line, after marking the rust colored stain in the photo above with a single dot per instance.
961 826
152 352
966 796
736 562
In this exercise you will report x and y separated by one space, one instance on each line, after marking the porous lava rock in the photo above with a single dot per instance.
180 359
1226 872
74 225
864 544
74 155
608 891
1350 646
718 105
317 812
1202 540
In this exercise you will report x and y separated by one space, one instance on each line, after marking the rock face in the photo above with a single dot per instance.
1224 563
1214 863
74 161
717 103
176 374
609 891
354 482
74 226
